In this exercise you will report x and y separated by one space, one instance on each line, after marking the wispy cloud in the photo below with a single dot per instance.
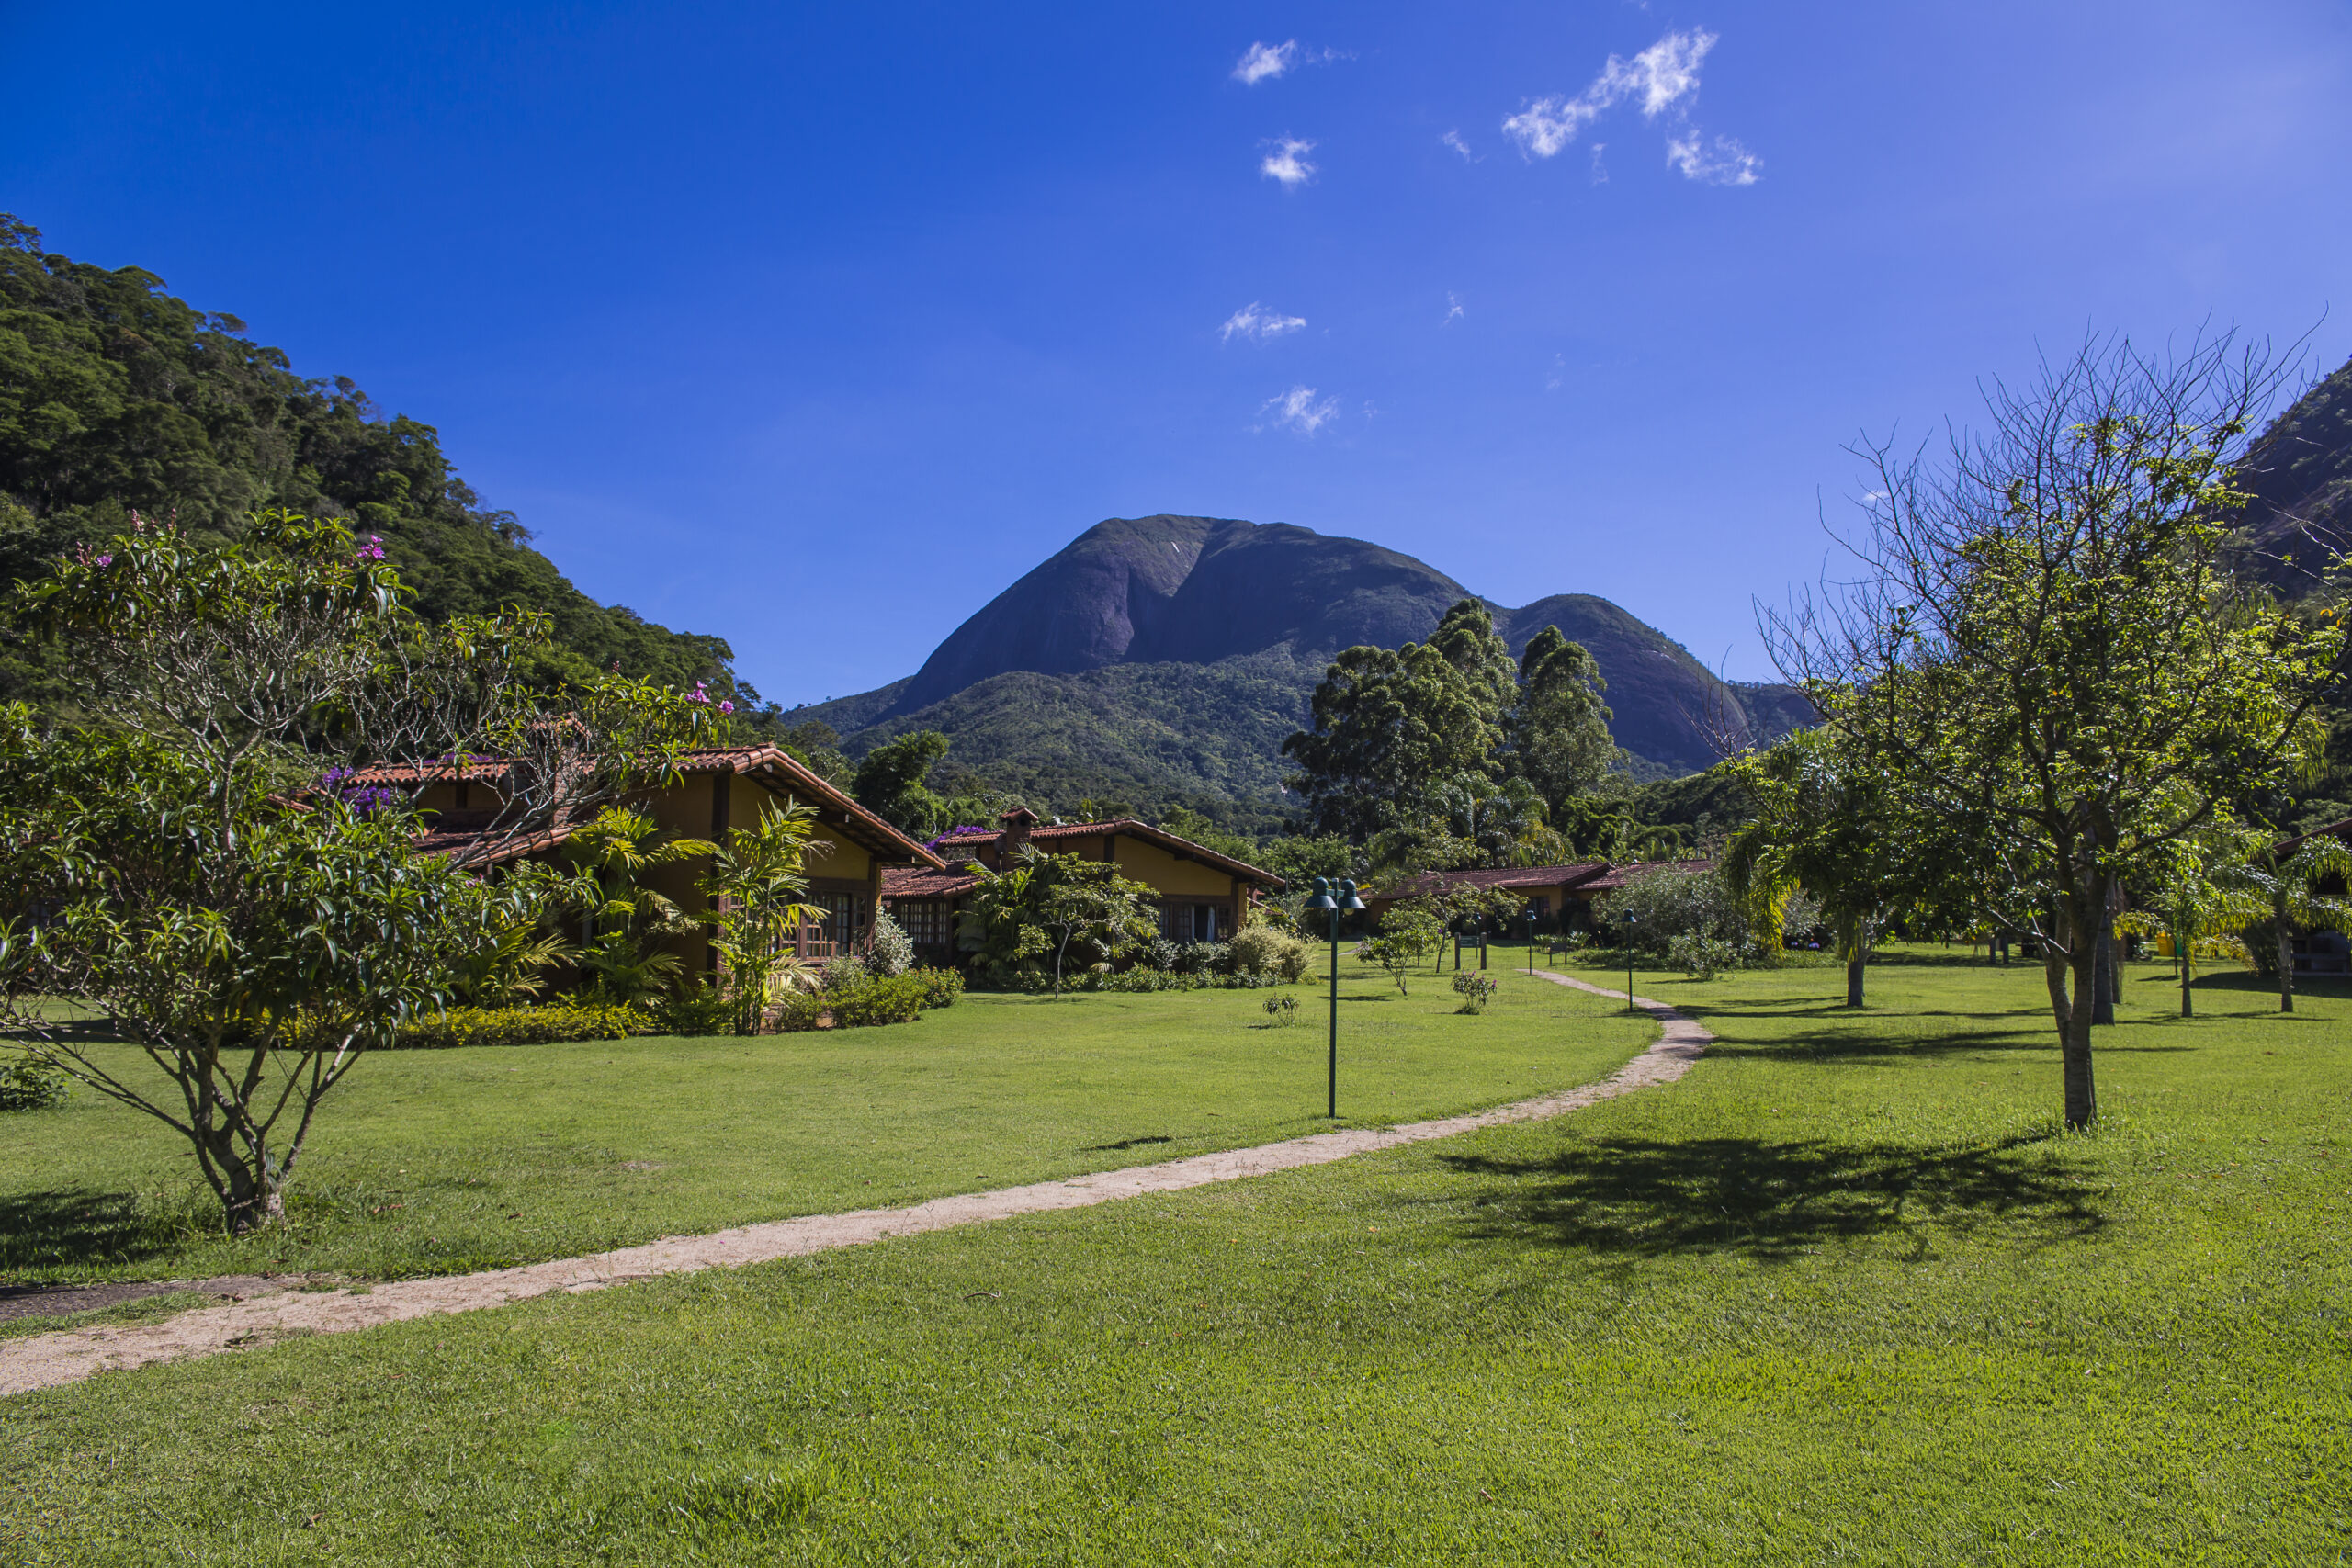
1287 162
1254 321
1452 309
1599 169
1453 139
1724 163
1664 79
1301 410
1263 61
1558 376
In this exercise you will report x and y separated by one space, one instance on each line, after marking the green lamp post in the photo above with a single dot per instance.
1531 940
1334 898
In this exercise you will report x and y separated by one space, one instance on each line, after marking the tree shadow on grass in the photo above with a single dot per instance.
71 1226
1776 1200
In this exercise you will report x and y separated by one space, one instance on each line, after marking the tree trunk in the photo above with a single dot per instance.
1854 968
2286 967
2074 1015
2103 980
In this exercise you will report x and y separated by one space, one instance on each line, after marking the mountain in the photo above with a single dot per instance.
2300 475
1163 661
116 395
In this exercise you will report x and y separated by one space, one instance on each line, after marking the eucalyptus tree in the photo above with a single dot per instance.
2042 641
183 871
1558 726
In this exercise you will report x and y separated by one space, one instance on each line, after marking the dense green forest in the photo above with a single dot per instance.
115 397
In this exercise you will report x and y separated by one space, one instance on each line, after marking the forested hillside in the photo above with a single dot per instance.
2300 474
115 396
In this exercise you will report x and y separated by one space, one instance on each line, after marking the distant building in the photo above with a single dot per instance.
1204 896
1560 896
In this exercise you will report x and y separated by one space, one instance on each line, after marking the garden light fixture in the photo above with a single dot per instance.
1630 923
1334 897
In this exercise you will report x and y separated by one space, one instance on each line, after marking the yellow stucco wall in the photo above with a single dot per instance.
1174 878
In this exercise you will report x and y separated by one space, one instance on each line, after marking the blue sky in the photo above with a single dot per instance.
815 327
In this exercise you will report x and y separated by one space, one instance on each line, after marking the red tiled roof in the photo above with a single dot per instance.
1504 876
924 882
1133 829
772 766
1618 876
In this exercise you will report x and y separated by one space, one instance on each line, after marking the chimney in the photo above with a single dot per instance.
1016 837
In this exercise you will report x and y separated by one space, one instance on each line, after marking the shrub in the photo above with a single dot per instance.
693 1008
1263 949
1475 989
1671 901
893 999
796 1013
941 986
845 973
30 1085
1284 1010
1157 953
1702 957
1135 980
1203 958
526 1026
893 951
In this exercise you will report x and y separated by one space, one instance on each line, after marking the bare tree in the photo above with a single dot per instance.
2041 641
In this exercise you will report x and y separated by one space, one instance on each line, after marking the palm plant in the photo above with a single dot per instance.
612 855
2287 883
756 883
2210 884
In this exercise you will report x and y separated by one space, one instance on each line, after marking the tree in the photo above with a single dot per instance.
891 781
1558 730
2286 878
2042 642
1043 904
186 875
757 880
1393 729
1826 822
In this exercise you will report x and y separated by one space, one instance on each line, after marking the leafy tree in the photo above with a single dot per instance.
892 781
252 943
2043 643
1828 823
1558 729
1046 903
757 881
1186 823
1392 730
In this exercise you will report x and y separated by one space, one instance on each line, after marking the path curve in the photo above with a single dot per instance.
48 1360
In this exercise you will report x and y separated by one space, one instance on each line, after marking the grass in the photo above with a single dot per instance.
1843 1294
448 1161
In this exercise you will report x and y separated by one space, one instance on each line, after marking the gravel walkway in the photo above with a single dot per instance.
48 1360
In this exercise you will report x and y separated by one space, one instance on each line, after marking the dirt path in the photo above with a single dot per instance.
49 1359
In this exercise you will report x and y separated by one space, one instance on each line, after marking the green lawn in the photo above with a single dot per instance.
1843 1294
445 1161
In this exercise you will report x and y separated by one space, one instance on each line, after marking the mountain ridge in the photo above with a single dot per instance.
1167 658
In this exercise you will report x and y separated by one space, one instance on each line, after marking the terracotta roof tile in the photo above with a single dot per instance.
1128 825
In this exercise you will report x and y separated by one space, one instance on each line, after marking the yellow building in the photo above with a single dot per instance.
852 847
1204 896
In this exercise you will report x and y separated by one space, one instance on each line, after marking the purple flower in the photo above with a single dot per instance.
727 707
698 694
103 561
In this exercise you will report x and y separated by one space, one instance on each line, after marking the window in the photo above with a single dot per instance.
927 922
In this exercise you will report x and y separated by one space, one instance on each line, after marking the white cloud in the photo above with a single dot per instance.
1452 309
1287 163
1453 139
1599 170
1663 73
1547 125
1663 77
1299 410
1255 321
1724 163
1265 60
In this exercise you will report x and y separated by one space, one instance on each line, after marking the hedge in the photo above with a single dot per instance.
524 1026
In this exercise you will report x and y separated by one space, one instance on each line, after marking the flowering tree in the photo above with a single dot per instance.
184 873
